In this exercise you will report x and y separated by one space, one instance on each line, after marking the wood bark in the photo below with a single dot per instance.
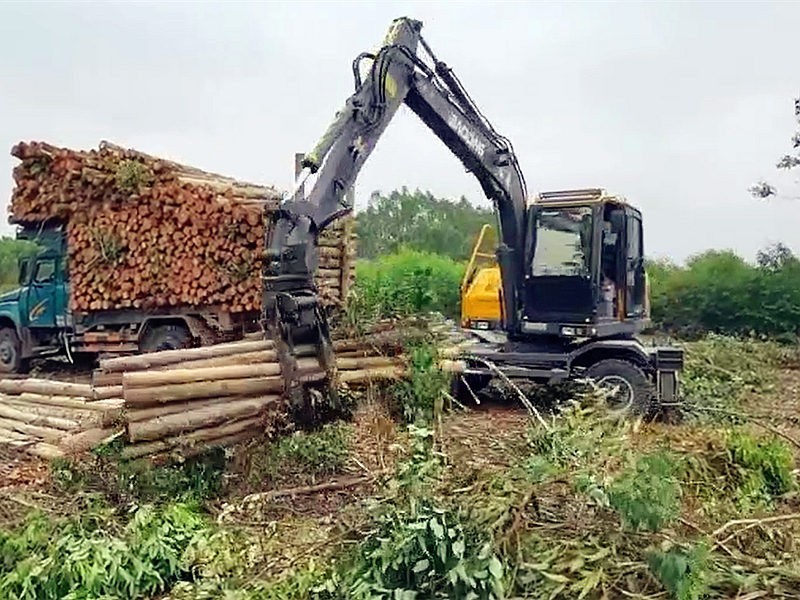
169 357
250 426
48 434
45 387
200 418
143 379
142 397
85 440
14 414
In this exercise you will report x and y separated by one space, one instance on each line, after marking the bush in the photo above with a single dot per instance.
406 283
91 557
647 496
718 291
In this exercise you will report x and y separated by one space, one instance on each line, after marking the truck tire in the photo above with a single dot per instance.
10 352
166 337
635 394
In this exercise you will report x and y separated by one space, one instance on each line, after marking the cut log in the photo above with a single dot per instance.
140 379
47 434
249 426
11 435
167 357
45 387
366 362
61 401
171 408
85 440
44 450
246 358
142 397
365 375
14 414
81 416
207 416
107 393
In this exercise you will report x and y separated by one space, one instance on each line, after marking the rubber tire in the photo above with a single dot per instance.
166 337
644 394
10 352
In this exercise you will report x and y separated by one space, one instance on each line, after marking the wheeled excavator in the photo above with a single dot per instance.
572 296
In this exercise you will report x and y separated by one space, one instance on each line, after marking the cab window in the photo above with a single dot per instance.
45 271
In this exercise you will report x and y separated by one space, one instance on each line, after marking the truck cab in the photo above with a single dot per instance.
36 319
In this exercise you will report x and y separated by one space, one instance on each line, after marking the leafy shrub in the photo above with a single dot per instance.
11 251
717 291
683 572
86 558
719 370
647 496
313 453
408 282
420 395
198 478
763 468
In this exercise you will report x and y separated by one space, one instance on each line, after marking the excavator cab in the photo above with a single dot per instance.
584 266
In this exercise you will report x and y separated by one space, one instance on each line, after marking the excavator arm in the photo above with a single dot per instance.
397 75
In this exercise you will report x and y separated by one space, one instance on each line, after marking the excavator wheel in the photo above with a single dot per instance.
631 391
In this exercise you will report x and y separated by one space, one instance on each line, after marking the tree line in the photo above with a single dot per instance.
414 248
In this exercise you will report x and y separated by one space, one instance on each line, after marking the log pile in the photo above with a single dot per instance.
144 232
53 418
185 401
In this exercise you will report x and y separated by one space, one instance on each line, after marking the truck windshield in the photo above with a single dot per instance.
563 242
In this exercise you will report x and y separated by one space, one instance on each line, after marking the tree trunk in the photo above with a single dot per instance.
203 417
14 414
251 425
142 397
168 357
143 379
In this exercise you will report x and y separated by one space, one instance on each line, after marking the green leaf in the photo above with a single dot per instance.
495 567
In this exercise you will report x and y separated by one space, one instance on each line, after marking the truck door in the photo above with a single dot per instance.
42 293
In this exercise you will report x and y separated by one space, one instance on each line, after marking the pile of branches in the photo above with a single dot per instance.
144 232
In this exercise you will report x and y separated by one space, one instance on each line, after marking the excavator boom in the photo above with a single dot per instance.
397 75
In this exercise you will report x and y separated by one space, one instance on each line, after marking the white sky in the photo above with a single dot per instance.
678 106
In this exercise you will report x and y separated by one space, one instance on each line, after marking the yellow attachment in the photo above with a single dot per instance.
481 301
480 287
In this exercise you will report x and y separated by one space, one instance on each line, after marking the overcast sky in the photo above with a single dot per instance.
678 106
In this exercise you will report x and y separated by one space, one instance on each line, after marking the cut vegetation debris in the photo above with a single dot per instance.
481 503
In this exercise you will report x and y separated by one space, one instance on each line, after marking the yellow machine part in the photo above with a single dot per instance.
481 286
480 303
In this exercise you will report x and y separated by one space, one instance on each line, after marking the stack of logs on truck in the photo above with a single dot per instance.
138 254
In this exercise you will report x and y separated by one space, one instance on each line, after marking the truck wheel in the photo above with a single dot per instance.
10 351
166 337
632 391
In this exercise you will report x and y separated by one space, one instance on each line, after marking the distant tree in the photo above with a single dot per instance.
787 162
776 257
419 221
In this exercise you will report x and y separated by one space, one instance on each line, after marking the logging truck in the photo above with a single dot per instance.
36 319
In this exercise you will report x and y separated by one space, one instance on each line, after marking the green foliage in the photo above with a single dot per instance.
420 395
419 547
683 572
763 468
195 479
418 221
132 175
719 292
427 552
720 370
313 453
647 496
92 557
407 283
11 251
